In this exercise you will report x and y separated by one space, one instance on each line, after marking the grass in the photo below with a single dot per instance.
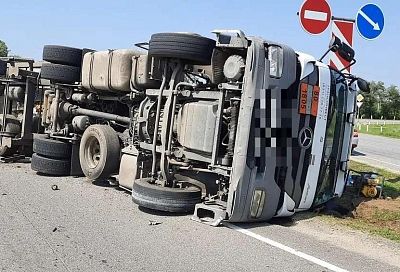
392 180
389 130
378 217
358 224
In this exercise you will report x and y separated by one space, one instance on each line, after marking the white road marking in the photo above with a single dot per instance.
315 15
369 158
286 248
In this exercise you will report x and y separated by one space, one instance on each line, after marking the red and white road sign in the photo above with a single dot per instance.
344 31
315 16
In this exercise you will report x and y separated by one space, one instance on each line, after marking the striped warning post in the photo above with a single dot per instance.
344 31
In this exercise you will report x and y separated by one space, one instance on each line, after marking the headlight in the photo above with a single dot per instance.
275 57
257 203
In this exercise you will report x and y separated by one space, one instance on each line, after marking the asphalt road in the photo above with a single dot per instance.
84 227
378 151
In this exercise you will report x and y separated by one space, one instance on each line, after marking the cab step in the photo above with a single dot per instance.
211 214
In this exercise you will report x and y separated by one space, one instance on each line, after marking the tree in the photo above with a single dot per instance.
371 105
381 102
393 102
3 49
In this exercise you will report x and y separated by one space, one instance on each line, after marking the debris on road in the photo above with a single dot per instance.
154 223
55 187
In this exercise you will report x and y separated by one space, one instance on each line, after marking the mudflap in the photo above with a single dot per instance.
211 214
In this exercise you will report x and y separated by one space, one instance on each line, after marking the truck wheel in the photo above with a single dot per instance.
156 197
99 152
55 167
62 55
190 47
13 127
60 73
51 148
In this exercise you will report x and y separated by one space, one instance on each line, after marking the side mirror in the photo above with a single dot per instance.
346 52
363 85
335 44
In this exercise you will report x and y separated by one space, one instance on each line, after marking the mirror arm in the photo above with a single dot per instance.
351 64
326 53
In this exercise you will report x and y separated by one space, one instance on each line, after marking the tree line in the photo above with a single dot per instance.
381 102
3 49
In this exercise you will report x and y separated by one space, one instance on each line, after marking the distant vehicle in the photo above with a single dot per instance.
19 100
354 141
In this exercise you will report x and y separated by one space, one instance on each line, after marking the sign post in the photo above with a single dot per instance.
360 102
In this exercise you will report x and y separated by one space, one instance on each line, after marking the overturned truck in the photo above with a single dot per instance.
20 99
238 129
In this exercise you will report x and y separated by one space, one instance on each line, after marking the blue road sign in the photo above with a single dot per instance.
370 21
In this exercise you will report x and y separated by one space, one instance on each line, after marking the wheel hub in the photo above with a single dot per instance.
93 152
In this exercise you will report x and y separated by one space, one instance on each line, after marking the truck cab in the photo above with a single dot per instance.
298 134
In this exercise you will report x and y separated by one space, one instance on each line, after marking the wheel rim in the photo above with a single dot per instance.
92 152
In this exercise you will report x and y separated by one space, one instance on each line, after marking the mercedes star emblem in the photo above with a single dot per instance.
305 137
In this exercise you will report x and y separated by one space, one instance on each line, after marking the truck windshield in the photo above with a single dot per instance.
333 139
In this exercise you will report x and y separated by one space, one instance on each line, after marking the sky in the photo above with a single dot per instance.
28 25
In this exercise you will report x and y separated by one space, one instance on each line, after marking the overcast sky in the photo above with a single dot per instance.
28 25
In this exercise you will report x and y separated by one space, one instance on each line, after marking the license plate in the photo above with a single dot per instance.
309 99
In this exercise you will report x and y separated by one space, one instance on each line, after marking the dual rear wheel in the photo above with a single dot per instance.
99 153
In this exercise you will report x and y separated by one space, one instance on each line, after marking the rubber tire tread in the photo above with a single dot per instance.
49 166
63 55
108 139
51 148
14 126
60 73
167 199
192 48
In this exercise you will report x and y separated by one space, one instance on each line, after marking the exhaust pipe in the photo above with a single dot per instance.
69 109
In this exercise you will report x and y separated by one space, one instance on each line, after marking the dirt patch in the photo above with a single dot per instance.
379 204
380 213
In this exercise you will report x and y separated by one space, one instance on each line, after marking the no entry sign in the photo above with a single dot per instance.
315 16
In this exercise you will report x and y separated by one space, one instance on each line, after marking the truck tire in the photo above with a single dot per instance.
50 148
13 125
155 197
48 166
60 73
3 68
62 55
192 48
99 152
